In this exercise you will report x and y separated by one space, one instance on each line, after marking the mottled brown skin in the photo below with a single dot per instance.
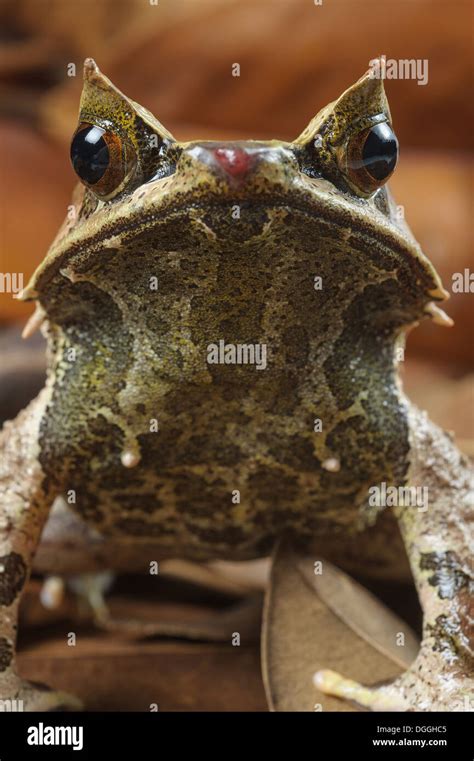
235 259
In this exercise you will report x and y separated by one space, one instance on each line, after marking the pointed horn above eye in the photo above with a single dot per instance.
90 67
101 98
92 75
364 97
367 94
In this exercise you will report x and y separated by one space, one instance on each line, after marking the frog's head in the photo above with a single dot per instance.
233 226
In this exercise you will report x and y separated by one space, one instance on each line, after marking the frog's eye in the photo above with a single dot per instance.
371 157
101 159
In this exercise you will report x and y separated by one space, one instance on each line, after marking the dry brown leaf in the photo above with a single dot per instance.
302 634
360 610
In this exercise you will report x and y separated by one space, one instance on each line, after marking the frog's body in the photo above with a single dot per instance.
155 279
142 384
155 423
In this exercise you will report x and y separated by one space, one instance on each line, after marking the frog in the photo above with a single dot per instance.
225 325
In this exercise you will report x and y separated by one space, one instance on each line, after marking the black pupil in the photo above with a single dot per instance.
90 154
380 151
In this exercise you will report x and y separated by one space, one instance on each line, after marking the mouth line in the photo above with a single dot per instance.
316 211
336 223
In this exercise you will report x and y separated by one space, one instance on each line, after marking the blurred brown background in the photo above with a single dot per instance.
295 56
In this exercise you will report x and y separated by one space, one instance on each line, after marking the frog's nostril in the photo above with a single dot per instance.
234 161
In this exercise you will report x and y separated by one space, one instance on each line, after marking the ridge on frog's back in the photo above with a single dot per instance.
222 321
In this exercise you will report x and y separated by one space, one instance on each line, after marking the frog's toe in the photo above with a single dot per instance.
383 698
49 700
414 690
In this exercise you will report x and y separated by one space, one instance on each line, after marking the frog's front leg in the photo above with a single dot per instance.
439 542
24 507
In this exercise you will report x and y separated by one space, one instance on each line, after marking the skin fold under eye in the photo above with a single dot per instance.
102 160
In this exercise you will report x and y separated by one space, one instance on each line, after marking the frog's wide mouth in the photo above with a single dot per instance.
334 217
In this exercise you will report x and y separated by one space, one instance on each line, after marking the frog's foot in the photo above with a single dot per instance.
33 696
410 692
383 698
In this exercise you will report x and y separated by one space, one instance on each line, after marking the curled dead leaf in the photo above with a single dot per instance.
325 622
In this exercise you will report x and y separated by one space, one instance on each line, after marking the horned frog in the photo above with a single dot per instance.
181 266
